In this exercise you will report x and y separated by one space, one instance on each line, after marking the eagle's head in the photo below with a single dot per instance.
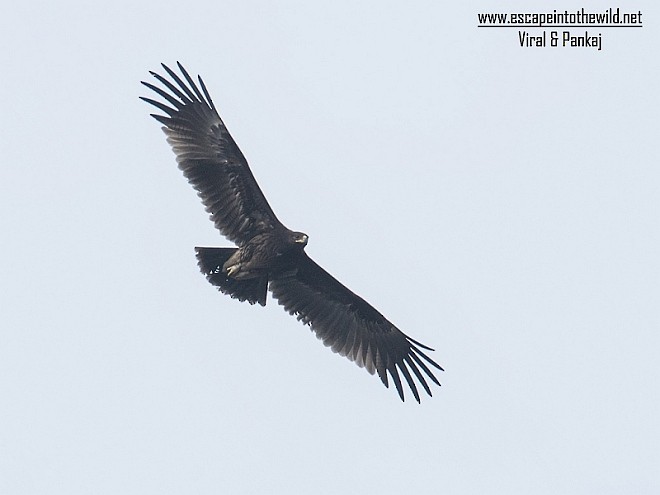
299 239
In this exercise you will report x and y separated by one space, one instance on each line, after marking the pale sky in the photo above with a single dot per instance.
497 203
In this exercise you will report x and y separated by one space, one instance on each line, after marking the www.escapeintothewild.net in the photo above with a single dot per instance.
585 28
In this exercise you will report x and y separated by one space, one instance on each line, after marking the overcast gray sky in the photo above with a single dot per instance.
495 202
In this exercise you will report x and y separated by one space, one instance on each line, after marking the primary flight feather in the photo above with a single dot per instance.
269 256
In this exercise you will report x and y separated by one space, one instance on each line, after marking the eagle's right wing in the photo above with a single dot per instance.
210 159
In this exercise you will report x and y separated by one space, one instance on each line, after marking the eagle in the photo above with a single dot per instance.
268 255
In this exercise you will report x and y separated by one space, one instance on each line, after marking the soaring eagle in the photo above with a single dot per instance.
269 255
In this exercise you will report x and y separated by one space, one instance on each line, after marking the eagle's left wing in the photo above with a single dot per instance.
351 326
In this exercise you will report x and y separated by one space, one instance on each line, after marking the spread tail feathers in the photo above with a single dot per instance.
210 261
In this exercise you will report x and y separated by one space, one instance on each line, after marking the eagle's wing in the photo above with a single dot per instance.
210 159
351 326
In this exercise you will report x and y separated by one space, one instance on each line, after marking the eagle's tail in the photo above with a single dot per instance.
210 261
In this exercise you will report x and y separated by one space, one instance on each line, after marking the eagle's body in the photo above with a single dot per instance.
269 255
267 252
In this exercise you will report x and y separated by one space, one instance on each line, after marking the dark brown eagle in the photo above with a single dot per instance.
270 256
